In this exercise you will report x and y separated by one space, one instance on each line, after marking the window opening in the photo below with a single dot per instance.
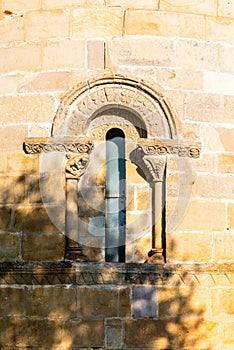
115 218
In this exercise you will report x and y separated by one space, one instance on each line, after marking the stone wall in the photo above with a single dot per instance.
186 49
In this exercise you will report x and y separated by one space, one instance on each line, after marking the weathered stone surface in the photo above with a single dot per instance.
217 138
5 218
124 309
135 4
144 302
231 216
43 247
12 189
85 333
11 301
63 54
47 24
202 7
223 246
16 5
113 333
225 8
99 22
164 24
12 29
10 246
20 163
226 57
218 83
12 137
33 220
179 247
193 54
23 57
98 301
55 302
95 54
46 81
54 4
222 302
220 29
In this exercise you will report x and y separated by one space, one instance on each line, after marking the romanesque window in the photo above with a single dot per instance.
115 136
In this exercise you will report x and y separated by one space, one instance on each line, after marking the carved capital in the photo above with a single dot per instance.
76 165
155 166
40 145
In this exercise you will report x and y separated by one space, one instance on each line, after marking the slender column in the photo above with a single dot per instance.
156 168
75 168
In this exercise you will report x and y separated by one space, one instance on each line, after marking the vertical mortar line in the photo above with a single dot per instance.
118 302
124 24
104 54
226 219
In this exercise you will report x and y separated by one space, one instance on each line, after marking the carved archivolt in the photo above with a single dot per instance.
82 105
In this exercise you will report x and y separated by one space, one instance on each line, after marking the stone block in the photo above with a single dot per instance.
95 54
226 58
31 108
144 302
124 309
63 54
10 246
173 333
11 29
214 186
218 83
113 333
47 24
12 189
194 247
12 137
133 174
5 218
196 216
7 332
39 130
188 301
205 107
46 81
11 301
38 333
25 57
143 198
225 8
217 138
219 29
141 246
164 24
22 163
85 333
52 302
22 5
202 7
226 163
9 83
223 247
228 334
222 301
196 55
135 4
99 302
3 162
33 219
55 4
207 163
137 225
231 216
180 78
97 22
43 247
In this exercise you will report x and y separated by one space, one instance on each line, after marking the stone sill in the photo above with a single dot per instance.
110 273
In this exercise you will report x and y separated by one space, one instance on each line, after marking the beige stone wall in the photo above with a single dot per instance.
187 49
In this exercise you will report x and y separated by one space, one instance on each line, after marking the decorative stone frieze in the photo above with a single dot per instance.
163 147
40 145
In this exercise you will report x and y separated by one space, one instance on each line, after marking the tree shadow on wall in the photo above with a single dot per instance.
40 302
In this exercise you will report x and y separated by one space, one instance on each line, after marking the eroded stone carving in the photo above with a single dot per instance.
76 165
158 147
155 166
40 145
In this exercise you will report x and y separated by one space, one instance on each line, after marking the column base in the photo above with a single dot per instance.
155 256
75 254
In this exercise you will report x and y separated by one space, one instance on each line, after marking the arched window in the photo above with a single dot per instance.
115 195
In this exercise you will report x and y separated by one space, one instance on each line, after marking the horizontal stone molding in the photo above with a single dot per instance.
163 147
66 145
117 274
